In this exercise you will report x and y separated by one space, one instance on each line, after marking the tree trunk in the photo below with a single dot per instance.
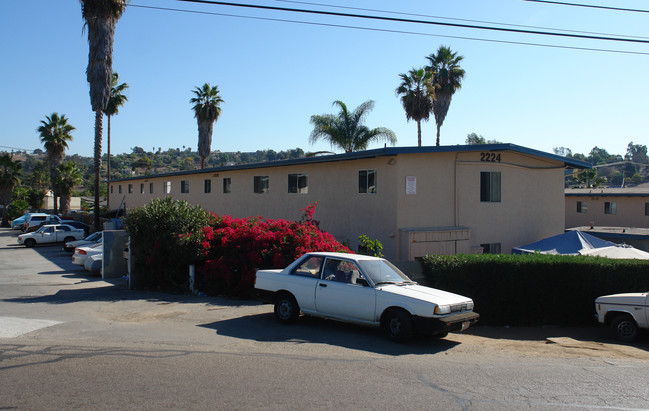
108 167
65 205
419 133
98 133
439 126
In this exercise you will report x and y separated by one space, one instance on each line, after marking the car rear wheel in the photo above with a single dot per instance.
398 325
30 242
286 309
624 328
68 239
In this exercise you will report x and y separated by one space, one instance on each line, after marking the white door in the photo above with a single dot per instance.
338 295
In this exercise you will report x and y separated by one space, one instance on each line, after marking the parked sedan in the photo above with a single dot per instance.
54 233
81 254
363 290
93 238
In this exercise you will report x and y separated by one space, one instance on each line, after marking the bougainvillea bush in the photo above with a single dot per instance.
234 248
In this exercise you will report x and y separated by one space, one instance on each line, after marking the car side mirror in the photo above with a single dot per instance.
362 281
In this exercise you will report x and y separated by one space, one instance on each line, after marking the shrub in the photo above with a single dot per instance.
234 248
164 241
535 289
367 246
17 208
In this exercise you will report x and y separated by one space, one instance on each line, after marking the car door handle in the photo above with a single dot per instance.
322 285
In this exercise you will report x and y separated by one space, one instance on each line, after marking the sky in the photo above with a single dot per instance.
274 75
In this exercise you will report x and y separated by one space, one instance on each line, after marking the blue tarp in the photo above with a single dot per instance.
567 243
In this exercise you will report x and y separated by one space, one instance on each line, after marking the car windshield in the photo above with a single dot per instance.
94 236
383 272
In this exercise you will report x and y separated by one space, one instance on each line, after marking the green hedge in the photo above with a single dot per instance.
535 289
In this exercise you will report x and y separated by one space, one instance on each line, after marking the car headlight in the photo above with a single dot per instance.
469 306
442 309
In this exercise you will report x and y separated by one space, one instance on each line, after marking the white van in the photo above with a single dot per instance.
36 219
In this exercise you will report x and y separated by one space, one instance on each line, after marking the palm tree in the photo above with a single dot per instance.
415 99
9 171
116 100
346 130
101 17
447 78
207 110
55 134
68 175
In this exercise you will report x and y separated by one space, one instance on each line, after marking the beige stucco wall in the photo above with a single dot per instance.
630 211
447 195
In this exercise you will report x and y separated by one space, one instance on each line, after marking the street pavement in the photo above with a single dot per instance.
69 340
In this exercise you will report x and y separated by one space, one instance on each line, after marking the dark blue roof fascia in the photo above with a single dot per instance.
379 152
607 194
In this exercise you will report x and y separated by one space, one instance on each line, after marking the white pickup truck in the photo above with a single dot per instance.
624 313
54 233
362 290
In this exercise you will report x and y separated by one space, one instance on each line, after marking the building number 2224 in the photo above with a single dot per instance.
490 157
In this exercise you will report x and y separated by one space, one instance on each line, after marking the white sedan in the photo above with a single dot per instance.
54 233
81 254
362 290
93 238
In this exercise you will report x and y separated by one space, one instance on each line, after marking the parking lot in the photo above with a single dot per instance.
84 342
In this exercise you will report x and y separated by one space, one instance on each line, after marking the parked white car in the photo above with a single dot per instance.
93 238
93 263
625 314
82 253
36 219
362 290
54 233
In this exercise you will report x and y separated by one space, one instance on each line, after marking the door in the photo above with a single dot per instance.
48 236
339 294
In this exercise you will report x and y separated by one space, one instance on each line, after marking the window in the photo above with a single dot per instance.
342 271
130 188
309 268
298 183
491 248
367 181
646 208
111 189
490 186
142 188
150 188
610 207
227 185
166 187
208 186
582 207
184 186
119 189
261 184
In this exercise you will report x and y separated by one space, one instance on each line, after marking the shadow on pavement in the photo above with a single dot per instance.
309 330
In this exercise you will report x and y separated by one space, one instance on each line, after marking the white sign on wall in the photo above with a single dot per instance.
411 185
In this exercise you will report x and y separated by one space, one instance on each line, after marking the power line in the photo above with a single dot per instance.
403 20
592 6
394 31
456 19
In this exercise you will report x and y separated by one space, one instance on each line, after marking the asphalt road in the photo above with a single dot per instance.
72 341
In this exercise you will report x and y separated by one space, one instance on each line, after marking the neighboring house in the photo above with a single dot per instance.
608 207
415 200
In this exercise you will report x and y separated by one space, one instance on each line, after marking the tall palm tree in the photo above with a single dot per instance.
346 130
207 109
447 79
55 134
415 99
101 17
68 176
116 100
9 172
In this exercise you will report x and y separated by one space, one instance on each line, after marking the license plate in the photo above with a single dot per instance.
465 325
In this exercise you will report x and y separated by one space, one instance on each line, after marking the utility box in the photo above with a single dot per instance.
113 263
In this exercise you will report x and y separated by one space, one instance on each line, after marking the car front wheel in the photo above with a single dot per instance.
286 309
30 242
398 325
624 328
